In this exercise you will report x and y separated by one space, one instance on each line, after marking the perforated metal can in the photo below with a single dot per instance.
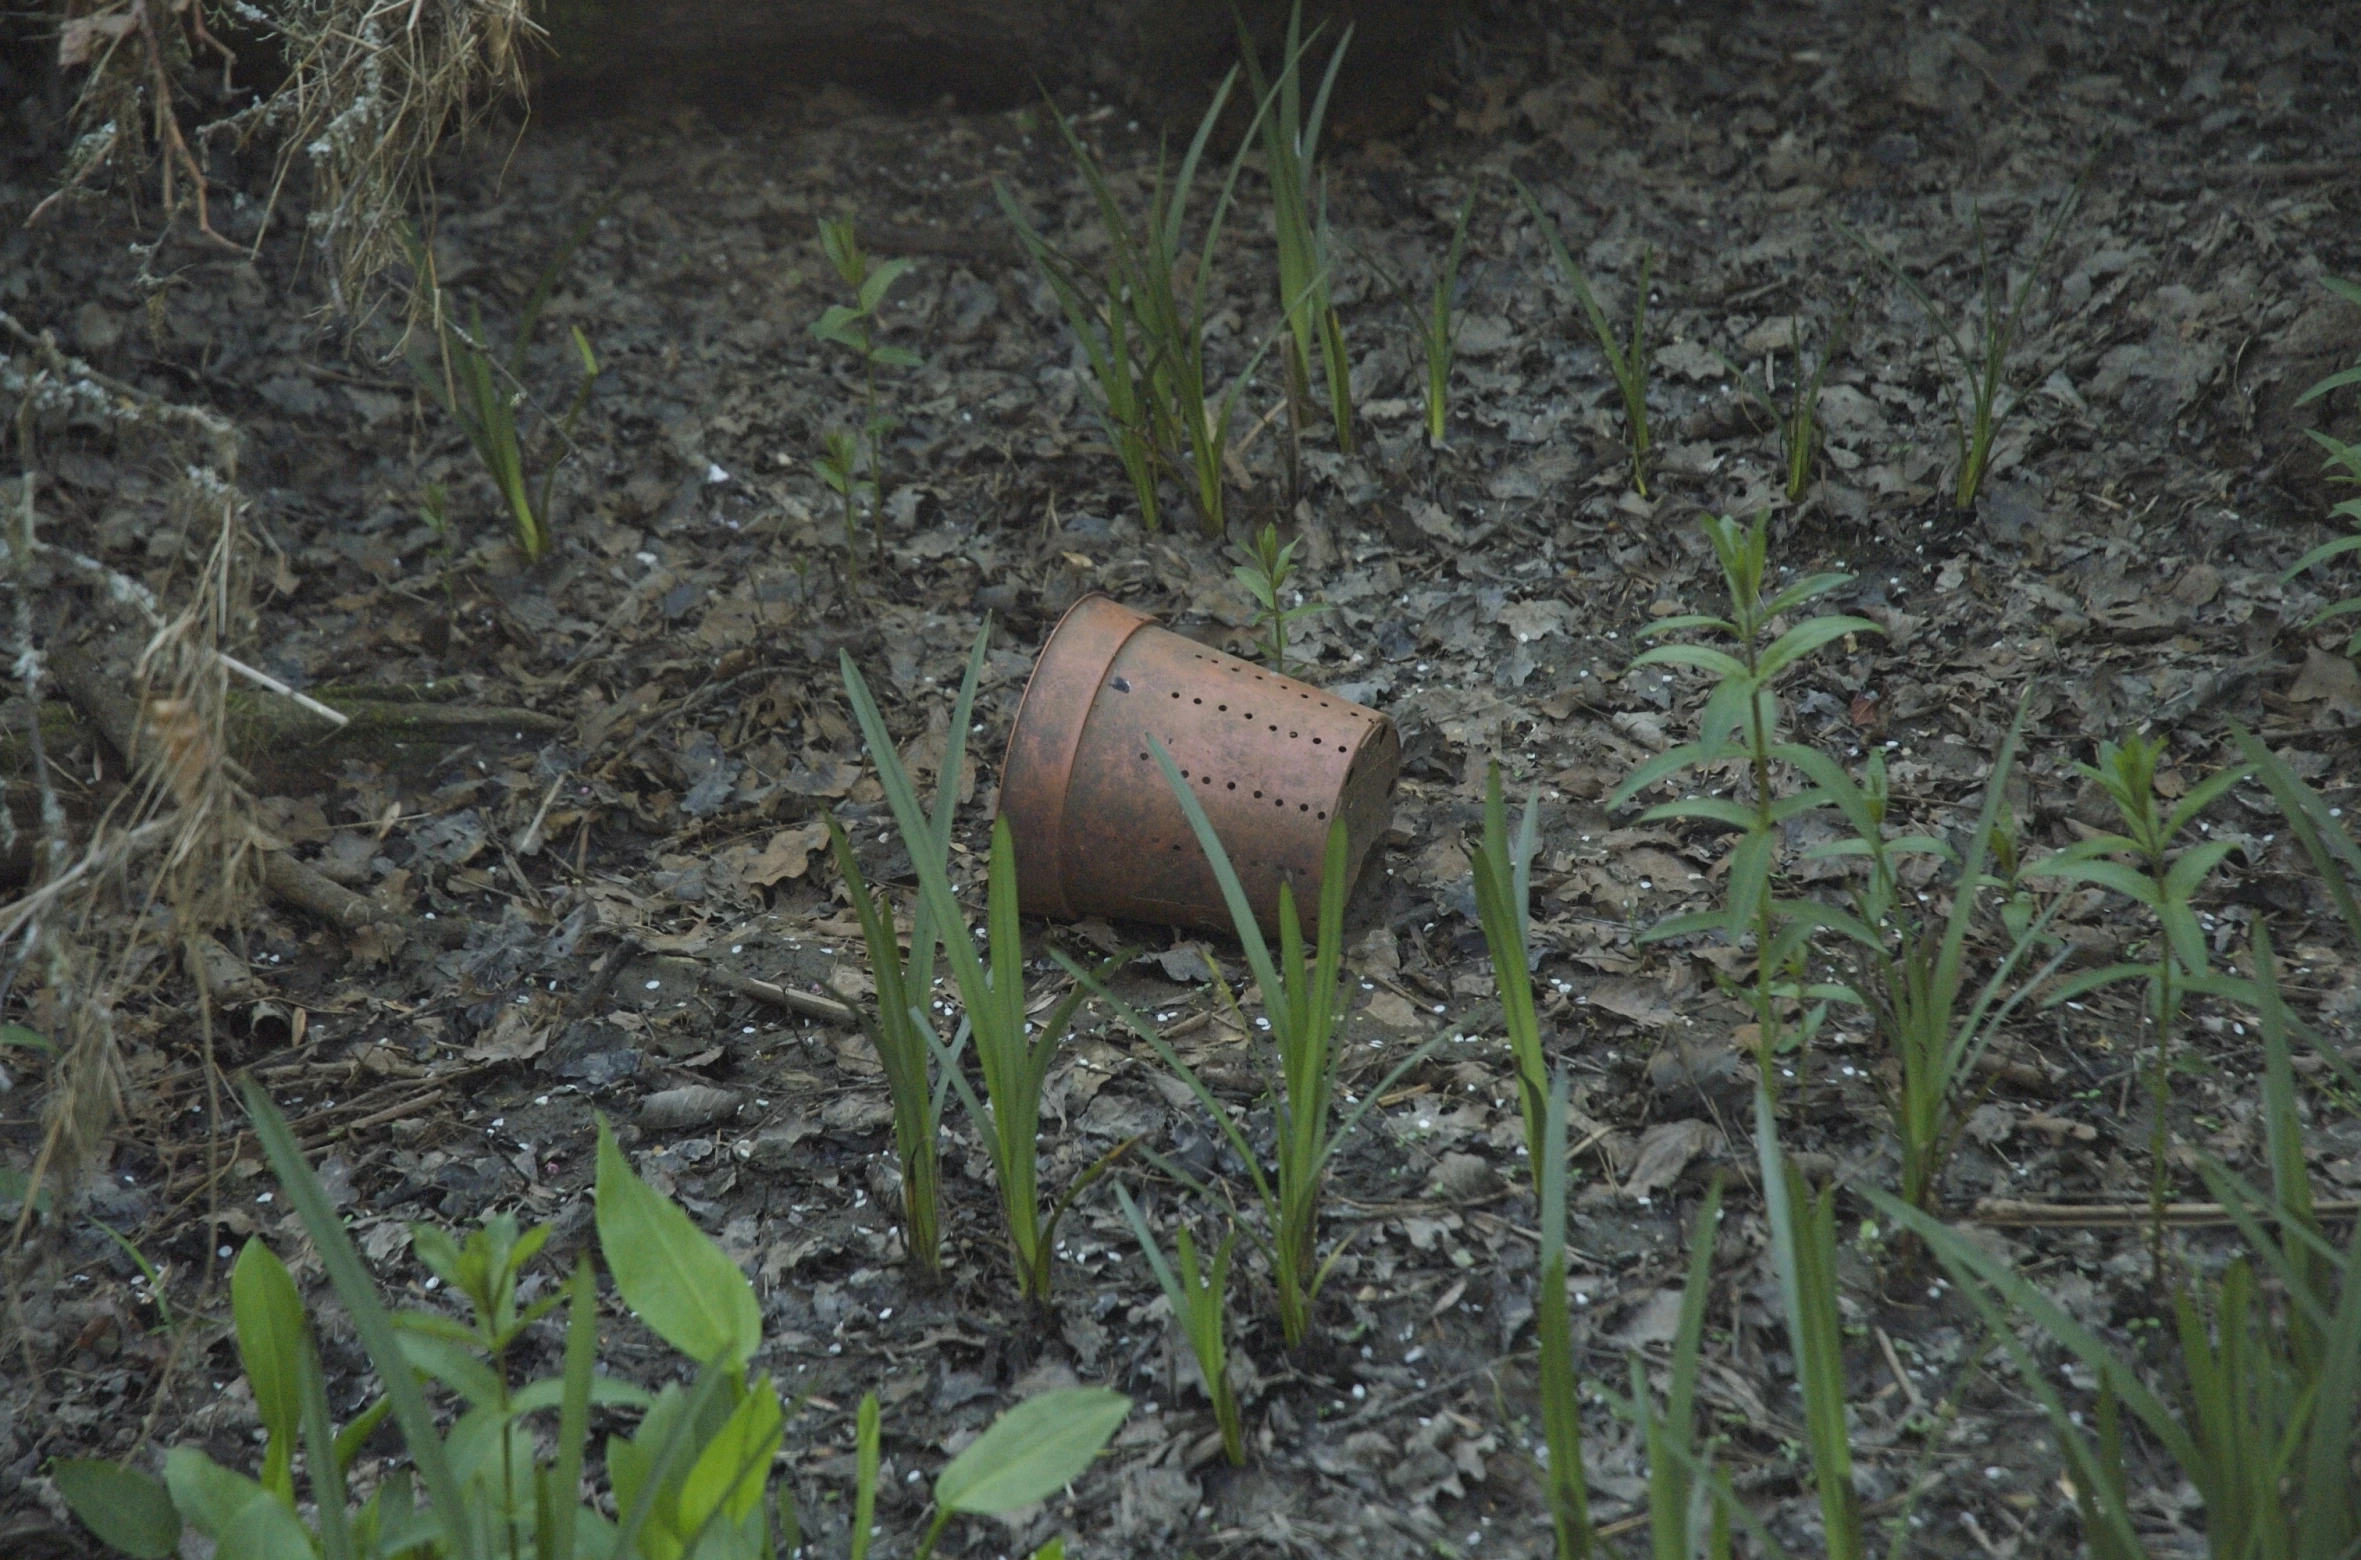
1096 827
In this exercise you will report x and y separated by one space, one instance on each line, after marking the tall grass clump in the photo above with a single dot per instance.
853 463
1300 998
1143 327
1299 214
1977 383
1013 1056
1503 871
910 1077
1913 970
1801 435
1199 1296
1626 352
482 389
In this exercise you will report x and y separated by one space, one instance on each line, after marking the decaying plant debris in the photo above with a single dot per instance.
444 949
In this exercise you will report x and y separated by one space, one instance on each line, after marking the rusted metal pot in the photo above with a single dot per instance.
1096 826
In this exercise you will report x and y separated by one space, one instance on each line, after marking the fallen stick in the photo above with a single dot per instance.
2005 1212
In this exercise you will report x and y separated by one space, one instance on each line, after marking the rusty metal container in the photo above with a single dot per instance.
1096 827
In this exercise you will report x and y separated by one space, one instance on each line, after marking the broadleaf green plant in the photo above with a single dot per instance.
1979 393
1266 574
2344 466
693 1482
1028 1454
1199 1297
852 464
2149 864
1013 1058
1626 355
1300 1000
1291 147
902 1051
1741 720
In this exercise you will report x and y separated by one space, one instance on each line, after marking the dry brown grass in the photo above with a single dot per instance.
367 89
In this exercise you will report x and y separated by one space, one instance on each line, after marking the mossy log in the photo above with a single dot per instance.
285 748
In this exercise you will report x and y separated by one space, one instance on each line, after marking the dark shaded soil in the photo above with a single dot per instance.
2123 571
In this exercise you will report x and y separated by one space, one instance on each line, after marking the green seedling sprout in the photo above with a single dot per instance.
482 392
1199 1297
1626 355
1028 1454
1801 436
1265 575
1300 1000
1980 395
1291 146
2344 465
2149 864
855 463
1012 1056
911 1082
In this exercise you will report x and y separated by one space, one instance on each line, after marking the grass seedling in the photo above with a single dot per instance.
901 1044
1914 973
1627 356
854 326
1199 1297
483 391
868 1448
1803 1241
1143 332
2150 865
1013 1056
1438 334
1265 574
1741 721
1680 1465
1979 392
1437 319
1801 437
2344 462
1504 890
1300 1000
2270 1387
1291 147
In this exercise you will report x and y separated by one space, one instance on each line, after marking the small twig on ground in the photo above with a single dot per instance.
2004 1212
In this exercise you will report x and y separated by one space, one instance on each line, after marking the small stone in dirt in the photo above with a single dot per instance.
692 1105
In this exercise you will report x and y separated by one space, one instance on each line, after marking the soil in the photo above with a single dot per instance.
2122 571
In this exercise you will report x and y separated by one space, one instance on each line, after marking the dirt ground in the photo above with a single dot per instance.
2124 568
